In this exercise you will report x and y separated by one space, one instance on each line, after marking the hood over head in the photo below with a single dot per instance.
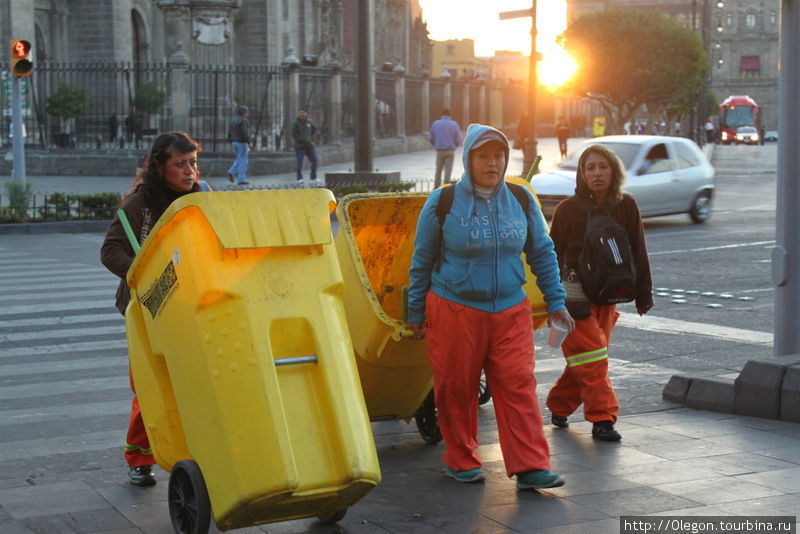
477 136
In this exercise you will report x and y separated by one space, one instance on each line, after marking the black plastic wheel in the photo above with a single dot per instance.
427 422
484 395
189 505
333 518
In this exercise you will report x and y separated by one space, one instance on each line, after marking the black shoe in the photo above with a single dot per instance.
243 182
604 431
142 475
230 177
559 420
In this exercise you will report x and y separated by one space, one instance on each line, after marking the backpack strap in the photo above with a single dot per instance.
521 195
445 203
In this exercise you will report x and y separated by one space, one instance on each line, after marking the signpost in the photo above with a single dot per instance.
529 146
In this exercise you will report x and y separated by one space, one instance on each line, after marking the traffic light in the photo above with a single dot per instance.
21 64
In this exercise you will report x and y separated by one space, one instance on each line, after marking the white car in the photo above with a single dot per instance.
665 175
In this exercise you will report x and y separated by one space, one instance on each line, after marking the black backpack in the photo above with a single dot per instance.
605 267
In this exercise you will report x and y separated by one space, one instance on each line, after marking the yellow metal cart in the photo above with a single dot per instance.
243 363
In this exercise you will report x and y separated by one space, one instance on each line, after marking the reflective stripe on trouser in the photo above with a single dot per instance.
585 378
461 342
137 446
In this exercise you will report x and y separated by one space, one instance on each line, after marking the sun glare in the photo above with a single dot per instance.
479 20
556 67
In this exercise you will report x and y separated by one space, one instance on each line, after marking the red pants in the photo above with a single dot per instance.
137 446
585 378
462 341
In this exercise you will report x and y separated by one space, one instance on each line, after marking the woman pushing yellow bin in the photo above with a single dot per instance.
243 362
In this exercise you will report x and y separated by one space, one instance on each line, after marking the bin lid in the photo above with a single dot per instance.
255 219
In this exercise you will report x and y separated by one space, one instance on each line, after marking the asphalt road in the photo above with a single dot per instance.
62 343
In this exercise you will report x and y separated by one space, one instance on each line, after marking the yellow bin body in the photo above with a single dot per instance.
374 242
227 284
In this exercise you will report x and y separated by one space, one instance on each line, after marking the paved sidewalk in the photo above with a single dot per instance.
413 166
675 462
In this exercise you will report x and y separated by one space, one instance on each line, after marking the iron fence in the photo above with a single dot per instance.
60 207
385 105
91 105
216 93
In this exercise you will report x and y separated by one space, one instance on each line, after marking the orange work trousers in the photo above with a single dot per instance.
461 342
137 446
585 378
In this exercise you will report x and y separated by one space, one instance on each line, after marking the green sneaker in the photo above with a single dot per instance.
470 475
539 479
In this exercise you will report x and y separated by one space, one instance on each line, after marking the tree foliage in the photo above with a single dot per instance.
68 101
149 98
631 57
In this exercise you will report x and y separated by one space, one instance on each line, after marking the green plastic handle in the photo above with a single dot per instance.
128 230
533 168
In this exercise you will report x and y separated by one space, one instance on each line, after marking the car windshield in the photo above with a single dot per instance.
625 151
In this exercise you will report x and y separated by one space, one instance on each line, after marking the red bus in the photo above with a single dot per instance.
736 111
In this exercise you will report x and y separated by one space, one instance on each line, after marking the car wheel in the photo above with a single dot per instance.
700 210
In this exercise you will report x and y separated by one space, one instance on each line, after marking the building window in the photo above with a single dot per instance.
772 17
750 67
728 19
750 21
451 50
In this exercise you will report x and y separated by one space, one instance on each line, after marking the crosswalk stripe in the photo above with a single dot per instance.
63 295
64 387
60 412
19 352
61 321
92 441
77 304
110 284
23 369
57 270
35 336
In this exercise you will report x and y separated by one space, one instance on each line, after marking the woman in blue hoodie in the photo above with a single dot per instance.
466 298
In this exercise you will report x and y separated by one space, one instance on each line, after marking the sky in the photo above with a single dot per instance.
479 20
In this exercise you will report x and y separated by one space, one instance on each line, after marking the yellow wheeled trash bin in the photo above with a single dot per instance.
374 242
243 363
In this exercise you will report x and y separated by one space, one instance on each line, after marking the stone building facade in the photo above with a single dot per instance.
742 43
214 32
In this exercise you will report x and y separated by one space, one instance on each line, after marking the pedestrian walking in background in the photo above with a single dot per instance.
466 298
562 133
304 134
445 136
170 172
239 136
599 181
710 131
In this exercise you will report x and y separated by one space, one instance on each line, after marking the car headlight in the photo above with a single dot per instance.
755 137
724 135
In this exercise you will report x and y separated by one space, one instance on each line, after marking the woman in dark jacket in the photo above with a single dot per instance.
170 171
585 379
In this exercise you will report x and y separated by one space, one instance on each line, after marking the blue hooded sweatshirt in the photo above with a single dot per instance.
481 265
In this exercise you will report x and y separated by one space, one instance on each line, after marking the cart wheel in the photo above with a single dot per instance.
189 506
484 395
333 518
427 422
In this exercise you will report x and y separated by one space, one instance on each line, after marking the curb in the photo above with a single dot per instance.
763 389
65 227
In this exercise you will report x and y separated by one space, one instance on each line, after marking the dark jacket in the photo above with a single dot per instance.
303 132
569 226
116 252
239 130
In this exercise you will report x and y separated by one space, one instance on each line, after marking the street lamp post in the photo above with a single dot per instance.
529 146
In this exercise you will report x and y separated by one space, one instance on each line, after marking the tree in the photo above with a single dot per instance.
628 58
